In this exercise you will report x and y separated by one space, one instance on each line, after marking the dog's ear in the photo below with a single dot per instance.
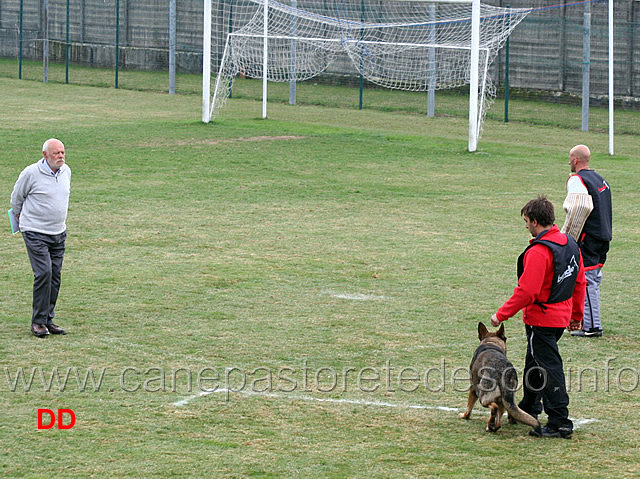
482 331
500 333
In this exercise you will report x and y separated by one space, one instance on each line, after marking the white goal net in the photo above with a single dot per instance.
400 44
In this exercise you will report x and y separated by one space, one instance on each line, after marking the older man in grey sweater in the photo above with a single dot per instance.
40 199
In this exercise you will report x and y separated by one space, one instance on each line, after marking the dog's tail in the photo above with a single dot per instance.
508 389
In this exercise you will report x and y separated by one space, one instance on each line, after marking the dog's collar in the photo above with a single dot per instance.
484 347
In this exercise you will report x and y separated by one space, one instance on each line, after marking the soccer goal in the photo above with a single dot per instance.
412 45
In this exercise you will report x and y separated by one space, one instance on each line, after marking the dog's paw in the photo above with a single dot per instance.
463 415
493 424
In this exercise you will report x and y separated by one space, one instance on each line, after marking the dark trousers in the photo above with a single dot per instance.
46 253
544 381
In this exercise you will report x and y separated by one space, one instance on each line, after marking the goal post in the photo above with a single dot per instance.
474 133
206 63
411 45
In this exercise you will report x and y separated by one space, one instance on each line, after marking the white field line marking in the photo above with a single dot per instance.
358 297
358 402
581 422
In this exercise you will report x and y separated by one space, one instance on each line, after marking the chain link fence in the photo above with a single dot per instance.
545 54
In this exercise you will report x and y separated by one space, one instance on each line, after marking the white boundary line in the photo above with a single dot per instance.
577 423
359 402
358 296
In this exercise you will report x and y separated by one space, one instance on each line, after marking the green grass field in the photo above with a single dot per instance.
561 111
327 266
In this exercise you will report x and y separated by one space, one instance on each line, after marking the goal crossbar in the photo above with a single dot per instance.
356 42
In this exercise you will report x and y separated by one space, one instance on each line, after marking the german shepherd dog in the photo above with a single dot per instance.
494 381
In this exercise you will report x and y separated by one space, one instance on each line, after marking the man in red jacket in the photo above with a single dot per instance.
550 293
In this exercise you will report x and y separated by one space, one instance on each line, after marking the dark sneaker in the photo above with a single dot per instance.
550 431
596 333
587 334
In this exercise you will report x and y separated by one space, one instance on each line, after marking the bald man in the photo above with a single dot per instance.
40 199
588 220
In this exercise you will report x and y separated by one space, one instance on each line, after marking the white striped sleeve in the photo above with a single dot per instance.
578 206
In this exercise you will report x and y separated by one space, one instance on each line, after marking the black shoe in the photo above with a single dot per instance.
53 329
581 333
550 431
39 330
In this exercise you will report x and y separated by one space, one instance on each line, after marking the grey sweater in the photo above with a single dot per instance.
42 199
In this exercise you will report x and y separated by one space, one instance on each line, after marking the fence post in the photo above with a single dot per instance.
293 67
117 39
66 55
506 80
563 47
20 41
431 95
45 44
586 66
231 31
172 47
361 85
611 89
